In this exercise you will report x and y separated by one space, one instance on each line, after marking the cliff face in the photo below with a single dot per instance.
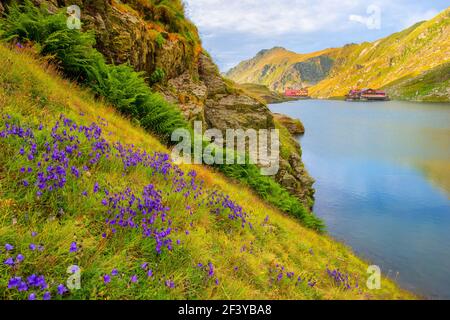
386 63
154 36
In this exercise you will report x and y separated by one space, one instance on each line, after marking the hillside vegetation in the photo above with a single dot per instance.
80 185
411 64
263 93
126 89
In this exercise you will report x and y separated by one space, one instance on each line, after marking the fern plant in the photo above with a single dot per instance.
74 52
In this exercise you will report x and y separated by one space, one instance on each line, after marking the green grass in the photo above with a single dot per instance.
32 94
432 85
263 93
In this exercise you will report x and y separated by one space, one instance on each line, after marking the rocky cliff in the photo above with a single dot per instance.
156 38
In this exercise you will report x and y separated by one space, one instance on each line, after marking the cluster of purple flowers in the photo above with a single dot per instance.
71 150
340 279
279 272
11 260
59 156
210 271
28 284
221 203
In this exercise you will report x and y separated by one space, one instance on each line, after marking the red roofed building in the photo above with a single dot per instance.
296 92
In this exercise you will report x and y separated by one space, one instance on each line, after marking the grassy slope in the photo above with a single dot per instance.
262 93
432 85
33 95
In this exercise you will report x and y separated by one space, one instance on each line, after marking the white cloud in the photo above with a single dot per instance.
268 17
247 26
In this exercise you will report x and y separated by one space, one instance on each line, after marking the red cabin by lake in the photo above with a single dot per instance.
296 92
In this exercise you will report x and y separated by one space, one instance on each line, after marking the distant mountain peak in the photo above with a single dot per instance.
264 51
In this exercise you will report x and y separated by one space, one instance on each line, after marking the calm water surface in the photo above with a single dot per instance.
382 173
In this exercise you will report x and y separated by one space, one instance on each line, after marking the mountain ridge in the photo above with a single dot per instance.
403 55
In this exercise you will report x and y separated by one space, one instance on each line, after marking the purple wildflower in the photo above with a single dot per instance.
22 286
8 247
170 284
14 282
73 247
47 296
106 278
96 187
32 296
75 269
9 262
210 270
61 289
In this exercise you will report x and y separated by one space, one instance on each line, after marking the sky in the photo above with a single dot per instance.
235 30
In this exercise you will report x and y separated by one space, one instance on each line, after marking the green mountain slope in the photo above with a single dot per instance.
431 85
385 63
262 93
90 186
